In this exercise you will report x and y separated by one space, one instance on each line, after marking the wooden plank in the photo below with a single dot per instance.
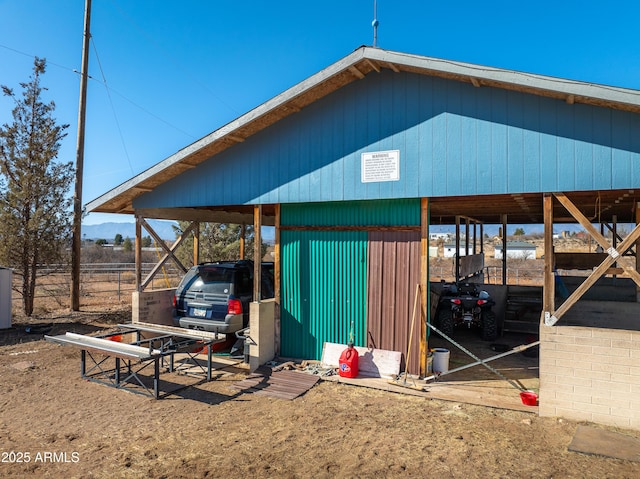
578 260
471 264
280 384
586 224
371 363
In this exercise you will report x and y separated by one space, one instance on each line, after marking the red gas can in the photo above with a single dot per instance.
348 363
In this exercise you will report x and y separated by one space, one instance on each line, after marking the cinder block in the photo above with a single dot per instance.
608 420
618 334
561 390
593 408
614 387
622 378
588 373
598 366
545 362
611 403
583 360
561 339
570 413
594 341
623 353
578 349
560 355
619 344
585 382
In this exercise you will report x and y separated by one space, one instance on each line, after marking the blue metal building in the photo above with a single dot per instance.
387 142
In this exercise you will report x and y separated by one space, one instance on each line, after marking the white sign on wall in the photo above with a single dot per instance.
380 166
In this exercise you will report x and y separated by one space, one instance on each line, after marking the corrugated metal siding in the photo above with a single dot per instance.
323 290
454 139
393 273
404 212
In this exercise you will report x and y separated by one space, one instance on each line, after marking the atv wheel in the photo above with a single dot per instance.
445 321
489 326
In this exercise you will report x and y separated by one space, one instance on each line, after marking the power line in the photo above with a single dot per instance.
115 116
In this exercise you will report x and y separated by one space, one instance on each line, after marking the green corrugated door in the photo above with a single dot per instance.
324 290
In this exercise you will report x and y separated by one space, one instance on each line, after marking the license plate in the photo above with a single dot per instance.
200 313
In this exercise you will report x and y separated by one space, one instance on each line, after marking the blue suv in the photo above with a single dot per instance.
215 296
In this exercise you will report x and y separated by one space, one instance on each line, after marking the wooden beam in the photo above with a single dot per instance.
356 72
169 255
424 281
504 249
243 233
549 289
628 242
457 253
393 67
196 243
475 82
586 224
372 65
138 253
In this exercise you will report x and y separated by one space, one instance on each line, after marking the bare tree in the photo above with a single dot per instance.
35 216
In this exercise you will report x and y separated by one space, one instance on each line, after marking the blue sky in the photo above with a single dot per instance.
175 71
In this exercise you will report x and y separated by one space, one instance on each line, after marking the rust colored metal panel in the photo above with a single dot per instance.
392 276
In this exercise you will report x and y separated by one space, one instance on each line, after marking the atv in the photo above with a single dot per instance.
463 305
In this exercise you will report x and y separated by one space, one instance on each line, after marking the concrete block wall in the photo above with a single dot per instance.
590 374
153 306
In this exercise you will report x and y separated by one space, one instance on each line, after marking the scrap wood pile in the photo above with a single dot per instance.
308 366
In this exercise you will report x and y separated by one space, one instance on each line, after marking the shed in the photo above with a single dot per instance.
353 164
516 250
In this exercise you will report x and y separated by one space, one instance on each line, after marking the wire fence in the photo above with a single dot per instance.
98 282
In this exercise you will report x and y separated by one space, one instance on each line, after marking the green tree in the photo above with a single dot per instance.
146 241
35 216
218 242
117 241
518 232
127 245
101 242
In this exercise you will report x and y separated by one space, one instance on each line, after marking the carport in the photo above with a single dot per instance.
363 156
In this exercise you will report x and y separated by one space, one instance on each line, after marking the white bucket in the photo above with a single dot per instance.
440 360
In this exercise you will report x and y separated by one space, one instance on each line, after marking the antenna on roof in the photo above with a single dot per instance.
375 24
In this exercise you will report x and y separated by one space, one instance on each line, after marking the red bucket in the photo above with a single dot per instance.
529 398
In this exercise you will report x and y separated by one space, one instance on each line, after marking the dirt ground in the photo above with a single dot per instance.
59 425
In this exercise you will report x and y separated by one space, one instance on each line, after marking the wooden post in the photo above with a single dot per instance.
257 252
549 290
243 231
138 253
277 285
424 284
466 236
504 249
457 252
76 238
196 243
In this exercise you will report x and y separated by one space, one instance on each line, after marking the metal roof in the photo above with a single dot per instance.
357 65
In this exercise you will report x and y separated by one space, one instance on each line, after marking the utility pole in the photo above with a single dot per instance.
77 197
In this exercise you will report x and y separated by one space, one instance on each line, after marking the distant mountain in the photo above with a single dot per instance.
108 231
163 228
